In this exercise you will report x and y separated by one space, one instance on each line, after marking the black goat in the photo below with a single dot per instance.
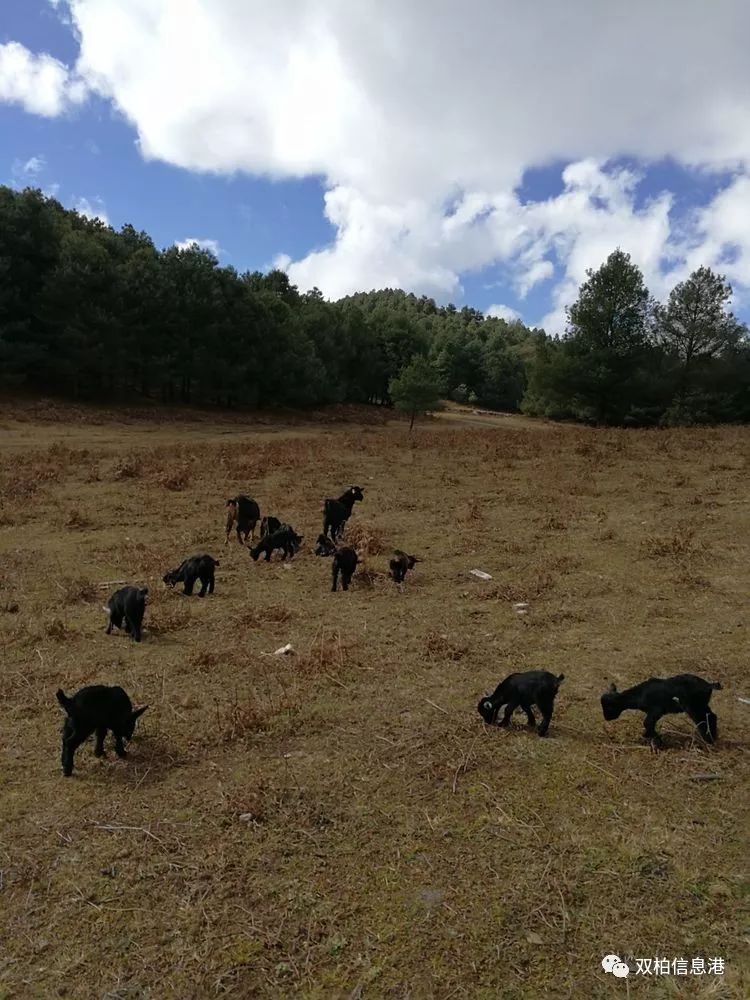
246 513
269 525
345 562
337 512
192 569
666 696
534 687
324 546
98 708
128 606
401 564
286 539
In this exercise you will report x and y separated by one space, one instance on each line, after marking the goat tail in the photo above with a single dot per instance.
560 678
716 685
63 699
143 591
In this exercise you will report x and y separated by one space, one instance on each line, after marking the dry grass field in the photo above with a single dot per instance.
339 822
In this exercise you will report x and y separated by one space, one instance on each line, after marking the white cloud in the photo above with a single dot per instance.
26 172
420 99
92 209
420 247
39 83
33 166
500 311
211 245
422 118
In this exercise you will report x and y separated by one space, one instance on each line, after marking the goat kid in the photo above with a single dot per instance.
523 690
659 696
401 564
285 539
98 709
344 562
128 606
324 546
192 569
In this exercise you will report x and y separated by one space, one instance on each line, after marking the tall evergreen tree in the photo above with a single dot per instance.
695 328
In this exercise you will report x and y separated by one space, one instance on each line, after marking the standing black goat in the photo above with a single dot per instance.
192 569
246 513
666 696
401 564
97 708
127 605
522 690
337 512
345 562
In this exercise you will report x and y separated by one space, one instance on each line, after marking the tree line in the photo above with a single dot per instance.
88 312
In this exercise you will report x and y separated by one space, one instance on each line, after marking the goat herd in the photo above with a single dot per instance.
97 709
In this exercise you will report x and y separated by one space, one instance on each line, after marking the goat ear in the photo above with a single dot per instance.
139 712
612 689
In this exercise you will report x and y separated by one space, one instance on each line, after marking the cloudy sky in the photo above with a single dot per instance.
484 153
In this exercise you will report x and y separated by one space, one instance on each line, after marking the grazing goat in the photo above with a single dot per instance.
401 564
127 605
269 525
246 513
286 539
324 546
192 569
534 687
345 562
96 709
337 512
666 696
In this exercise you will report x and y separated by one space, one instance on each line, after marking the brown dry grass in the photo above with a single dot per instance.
338 822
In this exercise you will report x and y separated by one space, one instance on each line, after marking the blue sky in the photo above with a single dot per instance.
356 162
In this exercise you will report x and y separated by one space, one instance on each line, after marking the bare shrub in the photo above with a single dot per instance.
327 652
678 546
254 618
554 522
251 805
473 511
176 479
128 467
528 590
76 589
365 538
76 521
441 646
56 629
243 718
368 576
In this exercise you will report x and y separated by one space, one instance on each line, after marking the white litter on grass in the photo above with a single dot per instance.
284 650
520 606
745 701
480 574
